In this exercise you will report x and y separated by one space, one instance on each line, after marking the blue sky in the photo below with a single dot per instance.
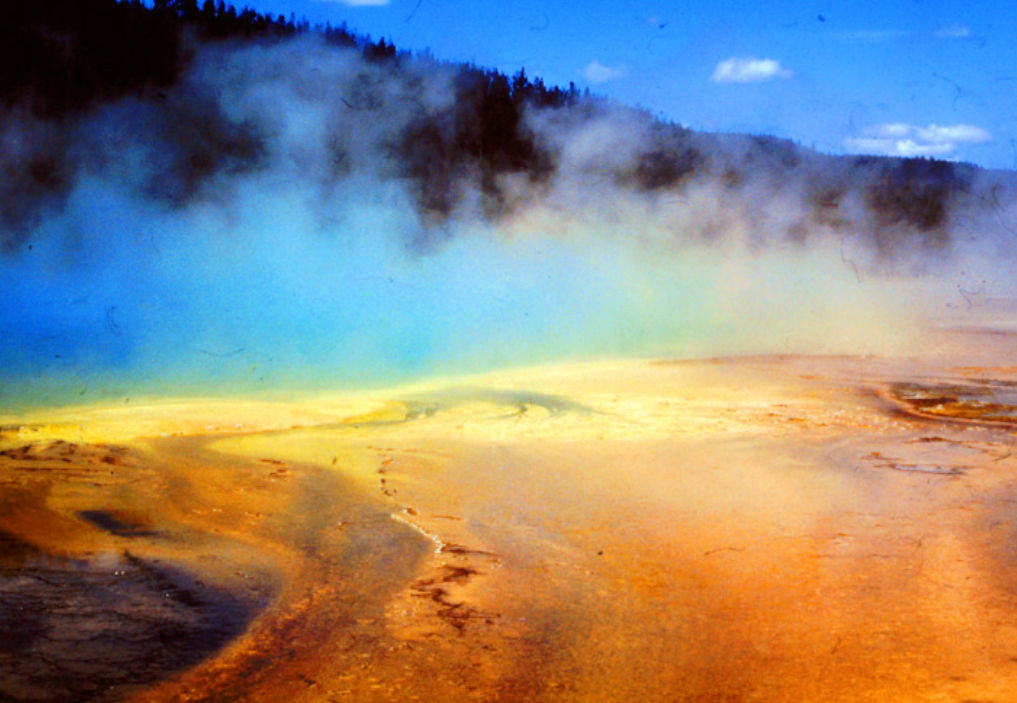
902 77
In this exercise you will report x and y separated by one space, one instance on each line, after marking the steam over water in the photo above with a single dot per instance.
288 215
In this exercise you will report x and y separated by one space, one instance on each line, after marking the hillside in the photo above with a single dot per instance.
200 199
462 139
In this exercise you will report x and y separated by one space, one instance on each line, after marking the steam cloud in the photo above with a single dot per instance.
291 215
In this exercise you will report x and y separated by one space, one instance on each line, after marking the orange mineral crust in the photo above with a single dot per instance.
739 529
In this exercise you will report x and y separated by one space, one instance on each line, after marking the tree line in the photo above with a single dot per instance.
60 57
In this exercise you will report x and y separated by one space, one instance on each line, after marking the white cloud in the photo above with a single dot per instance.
954 31
897 147
877 35
596 72
890 130
359 3
957 133
900 139
748 70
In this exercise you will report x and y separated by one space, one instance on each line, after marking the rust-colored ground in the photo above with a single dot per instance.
762 529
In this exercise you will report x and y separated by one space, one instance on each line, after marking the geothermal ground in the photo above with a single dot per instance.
746 529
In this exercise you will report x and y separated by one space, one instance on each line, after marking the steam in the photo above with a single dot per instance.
269 222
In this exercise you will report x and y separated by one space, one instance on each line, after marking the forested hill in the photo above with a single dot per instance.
463 141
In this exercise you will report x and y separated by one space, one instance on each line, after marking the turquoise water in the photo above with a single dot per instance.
116 298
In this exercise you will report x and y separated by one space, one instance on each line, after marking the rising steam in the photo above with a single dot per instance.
290 214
